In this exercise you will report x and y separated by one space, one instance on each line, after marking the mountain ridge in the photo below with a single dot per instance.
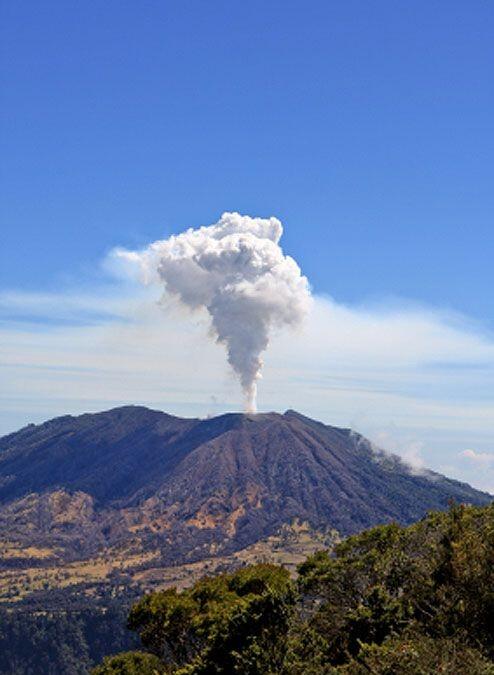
131 499
187 484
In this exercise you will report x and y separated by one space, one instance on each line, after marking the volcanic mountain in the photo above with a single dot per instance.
141 479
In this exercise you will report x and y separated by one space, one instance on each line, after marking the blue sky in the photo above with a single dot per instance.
367 128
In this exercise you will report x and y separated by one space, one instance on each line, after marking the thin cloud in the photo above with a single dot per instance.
417 381
482 458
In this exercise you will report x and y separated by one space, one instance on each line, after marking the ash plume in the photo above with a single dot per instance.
236 271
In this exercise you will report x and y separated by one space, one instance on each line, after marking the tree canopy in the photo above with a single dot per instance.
391 601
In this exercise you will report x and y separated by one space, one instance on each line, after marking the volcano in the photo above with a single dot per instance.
143 479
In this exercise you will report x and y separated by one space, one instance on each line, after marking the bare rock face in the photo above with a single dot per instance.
141 479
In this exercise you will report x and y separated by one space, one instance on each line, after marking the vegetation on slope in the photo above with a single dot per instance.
140 481
389 601
64 642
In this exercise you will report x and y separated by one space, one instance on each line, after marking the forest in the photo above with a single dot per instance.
61 641
391 601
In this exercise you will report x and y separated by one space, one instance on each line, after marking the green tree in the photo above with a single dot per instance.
131 663
418 655
390 601
436 576
231 623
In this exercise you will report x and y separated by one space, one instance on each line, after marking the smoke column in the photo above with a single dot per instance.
236 271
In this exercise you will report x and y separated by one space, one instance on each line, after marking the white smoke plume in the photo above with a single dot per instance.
236 270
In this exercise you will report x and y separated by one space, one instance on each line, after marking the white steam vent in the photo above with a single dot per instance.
236 270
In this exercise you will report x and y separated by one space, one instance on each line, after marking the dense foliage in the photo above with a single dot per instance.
230 622
389 601
60 642
131 663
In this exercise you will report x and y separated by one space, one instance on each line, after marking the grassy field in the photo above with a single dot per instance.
41 569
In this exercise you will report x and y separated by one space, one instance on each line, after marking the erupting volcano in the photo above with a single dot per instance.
236 271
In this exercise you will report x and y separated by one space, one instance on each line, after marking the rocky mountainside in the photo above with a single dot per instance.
140 480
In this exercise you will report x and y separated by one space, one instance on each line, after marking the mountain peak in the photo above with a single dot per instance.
223 481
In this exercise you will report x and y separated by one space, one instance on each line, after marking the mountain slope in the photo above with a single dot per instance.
143 480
